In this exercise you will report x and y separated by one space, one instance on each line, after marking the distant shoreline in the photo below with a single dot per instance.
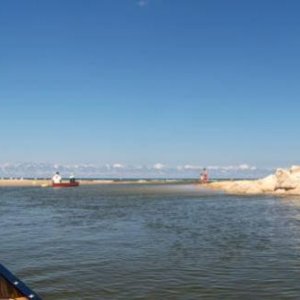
26 182
43 182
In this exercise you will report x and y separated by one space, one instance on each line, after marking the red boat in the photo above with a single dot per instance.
65 184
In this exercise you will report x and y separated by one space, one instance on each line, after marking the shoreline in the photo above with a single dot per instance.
83 182
283 182
247 188
45 182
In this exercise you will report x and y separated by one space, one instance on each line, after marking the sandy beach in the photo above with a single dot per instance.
46 182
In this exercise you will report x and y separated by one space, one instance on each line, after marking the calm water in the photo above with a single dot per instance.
150 242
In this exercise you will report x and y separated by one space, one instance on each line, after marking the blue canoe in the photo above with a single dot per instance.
13 288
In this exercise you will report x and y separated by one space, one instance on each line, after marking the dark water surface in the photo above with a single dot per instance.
150 242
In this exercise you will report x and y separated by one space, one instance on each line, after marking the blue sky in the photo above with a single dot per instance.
145 82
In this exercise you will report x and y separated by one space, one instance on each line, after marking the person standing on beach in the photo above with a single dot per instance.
56 178
72 178
204 176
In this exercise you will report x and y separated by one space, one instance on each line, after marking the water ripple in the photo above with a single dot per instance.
151 242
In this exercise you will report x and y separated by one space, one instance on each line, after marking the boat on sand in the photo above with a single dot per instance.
64 185
11 288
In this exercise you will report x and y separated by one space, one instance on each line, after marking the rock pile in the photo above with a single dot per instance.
284 181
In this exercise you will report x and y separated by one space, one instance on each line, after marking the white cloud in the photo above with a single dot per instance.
158 166
118 166
241 167
216 168
28 169
246 167
192 167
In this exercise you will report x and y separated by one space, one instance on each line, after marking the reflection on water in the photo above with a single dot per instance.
151 242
